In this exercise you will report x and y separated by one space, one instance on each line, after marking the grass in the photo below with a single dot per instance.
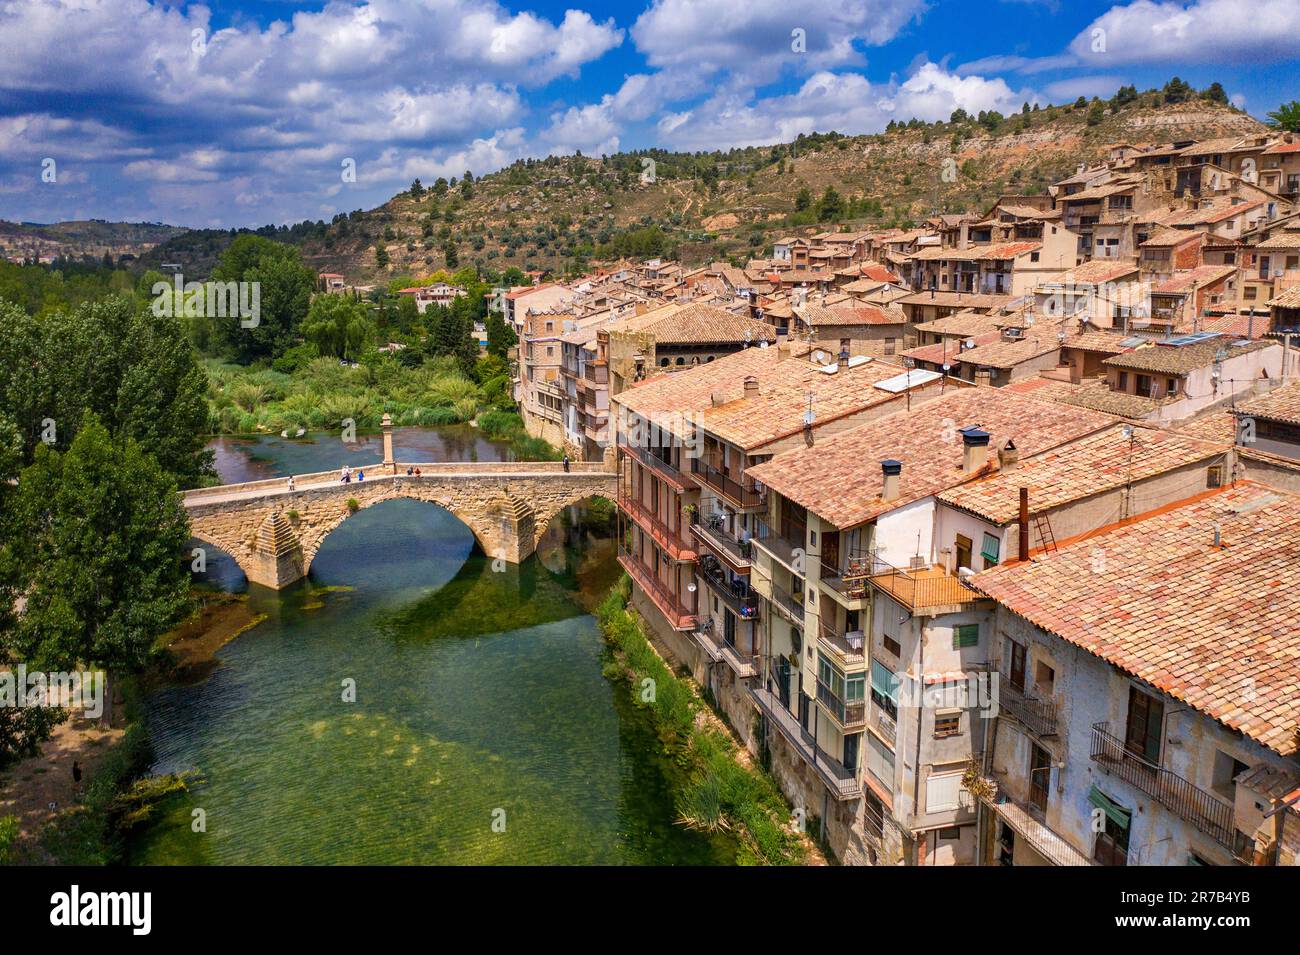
723 793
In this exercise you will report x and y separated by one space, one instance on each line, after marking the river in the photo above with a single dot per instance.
483 729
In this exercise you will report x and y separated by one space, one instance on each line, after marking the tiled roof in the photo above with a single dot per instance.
839 477
1215 627
1287 298
777 411
694 323
1281 404
1097 271
1098 396
1165 237
1008 353
949 299
816 315
1109 343
939 352
992 250
964 322
1179 359
1283 240
1185 281
1094 464
1215 212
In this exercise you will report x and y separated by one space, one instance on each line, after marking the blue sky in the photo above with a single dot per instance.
242 113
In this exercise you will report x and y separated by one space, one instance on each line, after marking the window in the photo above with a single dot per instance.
990 550
1111 845
947 723
1171 386
1044 678
1033 256
892 646
1214 476
1014 664
890 345
964 547
1040 777
884 688
1226 770
965 635
1142 733
1123 381
880 761
943 792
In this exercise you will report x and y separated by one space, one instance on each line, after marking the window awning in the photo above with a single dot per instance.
1113 810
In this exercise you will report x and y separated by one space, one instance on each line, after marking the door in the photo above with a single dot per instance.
851 743
1145 716
1040 774
964 548
831 551
1017 675
783 680
729 627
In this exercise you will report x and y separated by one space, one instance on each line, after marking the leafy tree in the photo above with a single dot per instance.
339 327
831 205
1124 95
1176 91
500 336
135 370
381 257
417 189
959 115
285 286
1286 117
802 199
99 556
1215 93
1096 113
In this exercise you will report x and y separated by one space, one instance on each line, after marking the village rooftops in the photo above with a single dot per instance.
1201 601
849 314
997 251
1092 465
946 351
694 324
1169 358
1216 212
1095 273
1167 238
1106 343
955 299
961 323
713 396
1008 353
839 478
1288 298
1282 240
1097 193
1180 283
1281 404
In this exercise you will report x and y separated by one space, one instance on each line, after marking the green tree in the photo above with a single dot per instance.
1286 117
500 336
831 205
802 199
1215 93
99 557
1177 91
135 370
285 285
339 327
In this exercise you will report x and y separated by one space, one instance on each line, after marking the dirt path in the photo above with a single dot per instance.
41 786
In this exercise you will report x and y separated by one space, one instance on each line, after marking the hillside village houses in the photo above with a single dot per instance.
994 568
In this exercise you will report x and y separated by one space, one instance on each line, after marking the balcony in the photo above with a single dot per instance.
679 616
744 663
788 605
849 715
658 465
735 595
1172 791
842 782
670 539
782 547
734 553
742 495
1036 715
923 589
849 651
1029 827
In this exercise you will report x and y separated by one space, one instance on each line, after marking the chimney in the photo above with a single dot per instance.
751 386
892 471
1024 524
1009 457
975 449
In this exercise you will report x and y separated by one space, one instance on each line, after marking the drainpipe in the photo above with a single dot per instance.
920 710
1023 524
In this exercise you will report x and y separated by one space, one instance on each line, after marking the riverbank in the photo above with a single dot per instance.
724 790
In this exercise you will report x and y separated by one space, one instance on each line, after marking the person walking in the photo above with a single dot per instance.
361 476
346 477
291 482
566 463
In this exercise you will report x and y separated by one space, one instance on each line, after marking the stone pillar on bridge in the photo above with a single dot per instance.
510 533
276 560
390 463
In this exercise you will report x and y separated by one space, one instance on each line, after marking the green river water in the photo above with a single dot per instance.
479 698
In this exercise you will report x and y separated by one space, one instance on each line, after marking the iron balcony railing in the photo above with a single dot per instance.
789 605
735 594
787 548
1038 716
836 640
672 539
743 662
1172 791
657 464
743 494
846 713
679 616
842 782
737 553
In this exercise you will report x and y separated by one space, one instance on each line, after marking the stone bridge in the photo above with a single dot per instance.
274 533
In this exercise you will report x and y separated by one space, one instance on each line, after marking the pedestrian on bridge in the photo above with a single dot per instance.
361 475
346 476
566 464
291 482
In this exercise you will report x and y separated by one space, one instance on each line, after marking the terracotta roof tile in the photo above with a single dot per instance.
1215 627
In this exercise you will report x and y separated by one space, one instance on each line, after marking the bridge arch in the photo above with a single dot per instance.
274 534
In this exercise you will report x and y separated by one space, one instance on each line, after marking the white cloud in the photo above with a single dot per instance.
1207 31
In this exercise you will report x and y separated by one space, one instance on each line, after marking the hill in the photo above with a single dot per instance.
81 238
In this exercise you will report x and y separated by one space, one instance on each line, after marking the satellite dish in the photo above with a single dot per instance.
969 343
808 418
763 343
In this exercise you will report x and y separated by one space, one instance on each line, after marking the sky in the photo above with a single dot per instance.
248 112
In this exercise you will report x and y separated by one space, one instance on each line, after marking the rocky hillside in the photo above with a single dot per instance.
78 239
559 213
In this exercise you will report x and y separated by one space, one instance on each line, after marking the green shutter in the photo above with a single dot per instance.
965 635
884 682
990 549
1113 810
